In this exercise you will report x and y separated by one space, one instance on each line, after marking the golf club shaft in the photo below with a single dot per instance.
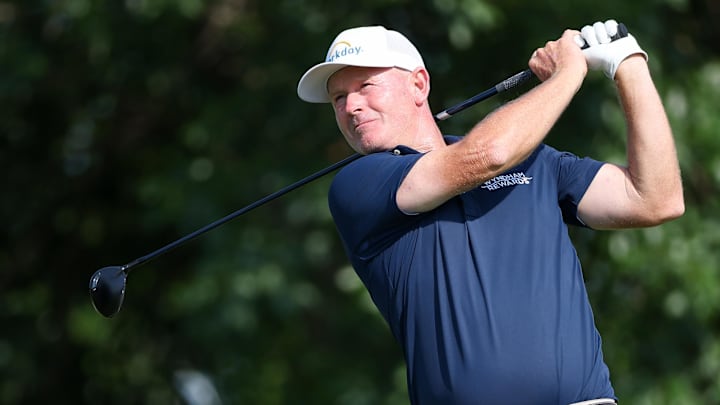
241 211
506 84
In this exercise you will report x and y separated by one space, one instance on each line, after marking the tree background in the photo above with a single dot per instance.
125 125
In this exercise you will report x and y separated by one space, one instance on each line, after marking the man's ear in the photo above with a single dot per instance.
420 80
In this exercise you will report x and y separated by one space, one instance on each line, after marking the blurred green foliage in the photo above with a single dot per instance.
127 124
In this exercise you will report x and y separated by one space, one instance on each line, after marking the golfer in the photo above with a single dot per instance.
463 242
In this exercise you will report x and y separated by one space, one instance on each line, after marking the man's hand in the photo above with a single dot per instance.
602 52
559 56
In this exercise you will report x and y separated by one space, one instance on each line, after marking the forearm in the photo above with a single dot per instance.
652 164
511 133
499 142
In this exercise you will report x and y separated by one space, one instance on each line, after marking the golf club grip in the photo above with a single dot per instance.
514 80
506 84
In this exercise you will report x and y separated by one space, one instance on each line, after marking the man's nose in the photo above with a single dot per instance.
353 102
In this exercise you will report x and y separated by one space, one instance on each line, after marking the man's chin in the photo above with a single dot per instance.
367 150
364 143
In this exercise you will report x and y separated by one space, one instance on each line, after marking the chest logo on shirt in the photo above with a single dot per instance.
506 180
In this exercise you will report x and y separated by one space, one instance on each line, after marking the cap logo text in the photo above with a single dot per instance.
347 50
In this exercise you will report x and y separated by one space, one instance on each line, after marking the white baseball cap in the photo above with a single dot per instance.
373 46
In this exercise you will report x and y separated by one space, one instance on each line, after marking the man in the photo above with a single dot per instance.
462 242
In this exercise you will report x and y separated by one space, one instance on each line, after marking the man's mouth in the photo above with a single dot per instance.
360 124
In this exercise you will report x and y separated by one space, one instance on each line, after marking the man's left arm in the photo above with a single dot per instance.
648 190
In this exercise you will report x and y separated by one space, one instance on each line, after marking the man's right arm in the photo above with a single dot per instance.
504 138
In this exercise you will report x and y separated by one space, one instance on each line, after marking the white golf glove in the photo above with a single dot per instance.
602 52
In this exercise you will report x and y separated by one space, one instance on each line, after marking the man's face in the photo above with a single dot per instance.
372 106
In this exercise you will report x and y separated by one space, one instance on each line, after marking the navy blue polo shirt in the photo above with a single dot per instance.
485 293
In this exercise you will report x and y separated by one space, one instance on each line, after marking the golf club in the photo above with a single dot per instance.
107 285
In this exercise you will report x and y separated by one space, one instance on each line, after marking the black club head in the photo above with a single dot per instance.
107 290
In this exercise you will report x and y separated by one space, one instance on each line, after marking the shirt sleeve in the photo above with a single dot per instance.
575 176
363 205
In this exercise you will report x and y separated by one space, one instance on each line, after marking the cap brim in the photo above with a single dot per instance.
313 84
